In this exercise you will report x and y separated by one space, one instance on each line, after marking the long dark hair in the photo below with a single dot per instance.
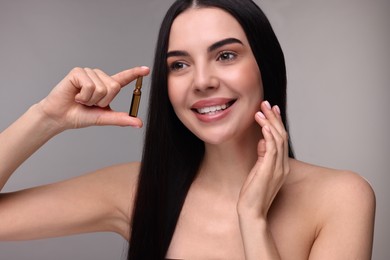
172 154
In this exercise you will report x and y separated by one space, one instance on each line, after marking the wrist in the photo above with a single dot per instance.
257 238
44 121
250 213
248 220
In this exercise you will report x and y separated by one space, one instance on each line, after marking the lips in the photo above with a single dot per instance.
212 109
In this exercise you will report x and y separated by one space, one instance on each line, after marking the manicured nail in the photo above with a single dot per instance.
260 115
277 109
267 104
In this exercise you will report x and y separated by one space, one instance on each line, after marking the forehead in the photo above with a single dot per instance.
204 25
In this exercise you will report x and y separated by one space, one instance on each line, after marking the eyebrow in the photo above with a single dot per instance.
212 47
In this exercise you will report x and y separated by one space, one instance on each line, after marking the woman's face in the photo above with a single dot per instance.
214 83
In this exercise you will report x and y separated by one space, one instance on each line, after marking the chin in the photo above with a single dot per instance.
215 137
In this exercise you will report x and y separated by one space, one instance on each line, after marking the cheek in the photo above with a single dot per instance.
172 92
248 79
176 94
254 78
257 83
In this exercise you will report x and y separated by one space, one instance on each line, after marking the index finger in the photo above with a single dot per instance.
273 116
127 76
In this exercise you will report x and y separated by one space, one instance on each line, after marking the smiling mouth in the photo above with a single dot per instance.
211 110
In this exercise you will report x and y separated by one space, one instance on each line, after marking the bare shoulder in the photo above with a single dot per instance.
325 192
331 184
342 206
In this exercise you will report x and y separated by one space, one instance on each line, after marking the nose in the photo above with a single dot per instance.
205 78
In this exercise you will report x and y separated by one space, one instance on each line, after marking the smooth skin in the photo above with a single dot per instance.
249 200
81 99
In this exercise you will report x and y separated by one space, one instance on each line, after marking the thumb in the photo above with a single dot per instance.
261 148
110 117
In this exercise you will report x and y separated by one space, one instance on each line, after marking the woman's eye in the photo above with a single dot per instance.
227 56
177 66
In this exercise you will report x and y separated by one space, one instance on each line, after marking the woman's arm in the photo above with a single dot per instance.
100 201
81 99
262 185
22 139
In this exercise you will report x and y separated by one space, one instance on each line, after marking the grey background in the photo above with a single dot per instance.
338 62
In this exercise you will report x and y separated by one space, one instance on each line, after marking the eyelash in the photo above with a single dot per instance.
220 57
173 66
224 53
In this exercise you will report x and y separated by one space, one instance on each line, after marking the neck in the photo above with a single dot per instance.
226 166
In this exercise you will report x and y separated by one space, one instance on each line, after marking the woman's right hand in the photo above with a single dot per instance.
82 98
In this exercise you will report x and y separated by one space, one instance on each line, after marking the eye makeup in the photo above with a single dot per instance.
135 101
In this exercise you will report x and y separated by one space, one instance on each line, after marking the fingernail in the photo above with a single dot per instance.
145 67
277 109
267 104
260 115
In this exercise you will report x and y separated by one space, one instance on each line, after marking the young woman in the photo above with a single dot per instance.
217 179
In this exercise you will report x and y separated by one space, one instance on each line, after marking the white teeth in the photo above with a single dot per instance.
212 109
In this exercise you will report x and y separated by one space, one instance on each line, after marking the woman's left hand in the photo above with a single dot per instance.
271 169
262 185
